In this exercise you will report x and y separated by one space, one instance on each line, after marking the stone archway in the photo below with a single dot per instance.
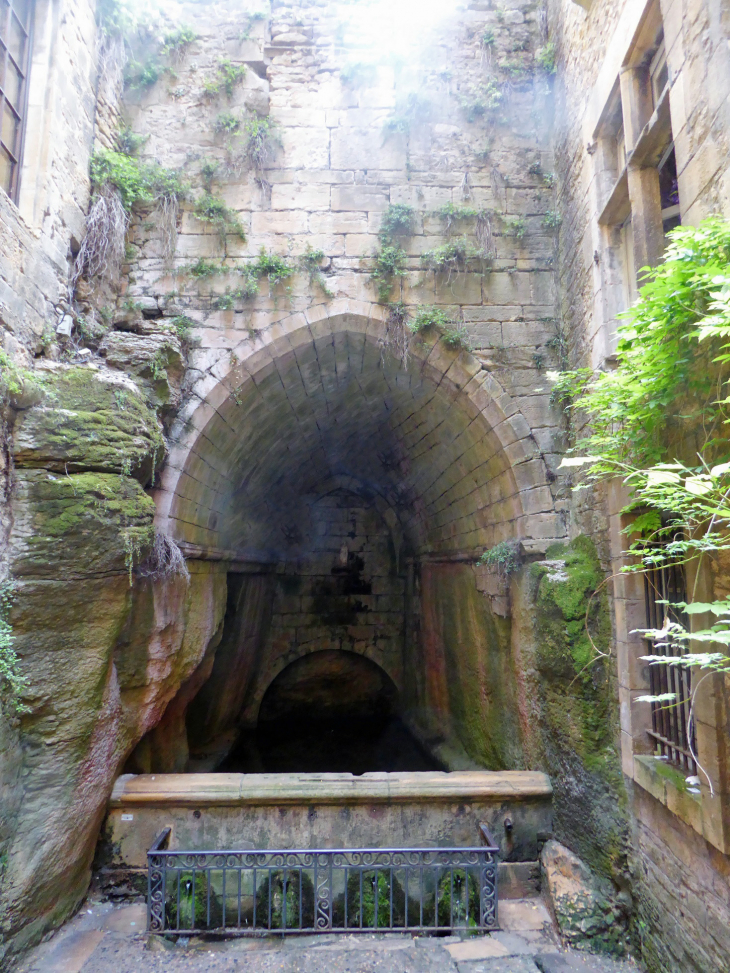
343 484
313 397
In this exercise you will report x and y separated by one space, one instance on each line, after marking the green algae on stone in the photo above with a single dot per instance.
79 524
579 720
87 420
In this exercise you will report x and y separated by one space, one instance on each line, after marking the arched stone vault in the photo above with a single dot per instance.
315 397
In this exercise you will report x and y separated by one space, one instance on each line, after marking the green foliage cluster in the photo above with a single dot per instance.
211 209
504 558
227 76
128 142
545 58
227 123
549 180
487 39
427 316
455 257
273 267
261 138
552 220
483 101
453 334
670 357
514 226
513 67
208 172
452 213
668 398
11 681
176 42
16 383
203 269
389 264
311 263
397 220
183 326
137 182
142 74
358 74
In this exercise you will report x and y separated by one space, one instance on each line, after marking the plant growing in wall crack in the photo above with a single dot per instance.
211 209
504 559
225 80
121 182
454 334
311 263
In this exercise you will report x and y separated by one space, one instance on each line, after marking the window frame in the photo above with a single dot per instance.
20 111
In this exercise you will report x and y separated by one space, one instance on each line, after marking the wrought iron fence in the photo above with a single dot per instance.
308 891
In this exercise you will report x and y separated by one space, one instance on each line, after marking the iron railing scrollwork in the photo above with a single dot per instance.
323 890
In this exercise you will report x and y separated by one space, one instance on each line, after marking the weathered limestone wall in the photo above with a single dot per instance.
463 699
679 881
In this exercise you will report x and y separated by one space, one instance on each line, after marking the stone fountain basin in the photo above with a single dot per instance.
211 812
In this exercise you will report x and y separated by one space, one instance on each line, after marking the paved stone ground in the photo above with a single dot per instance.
104 938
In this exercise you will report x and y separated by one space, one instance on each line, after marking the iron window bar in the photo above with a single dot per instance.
672 732
305 891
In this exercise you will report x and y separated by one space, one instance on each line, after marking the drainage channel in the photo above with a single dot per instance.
295 891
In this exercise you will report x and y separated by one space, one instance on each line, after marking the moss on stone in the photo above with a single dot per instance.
86 421
577 704
81 523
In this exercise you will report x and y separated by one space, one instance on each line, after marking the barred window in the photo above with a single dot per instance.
15 18
672 733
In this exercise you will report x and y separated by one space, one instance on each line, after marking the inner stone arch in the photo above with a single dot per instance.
334 484
330 711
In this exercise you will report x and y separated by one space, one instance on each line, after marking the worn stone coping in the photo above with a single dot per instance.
381 788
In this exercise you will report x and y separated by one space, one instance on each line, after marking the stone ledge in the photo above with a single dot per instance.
665 784
381 788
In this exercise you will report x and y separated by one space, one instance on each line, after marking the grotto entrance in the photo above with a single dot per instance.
330 712
346 499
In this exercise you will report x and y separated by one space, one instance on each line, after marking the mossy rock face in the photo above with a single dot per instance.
80 524
577 705
156 360
89 420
